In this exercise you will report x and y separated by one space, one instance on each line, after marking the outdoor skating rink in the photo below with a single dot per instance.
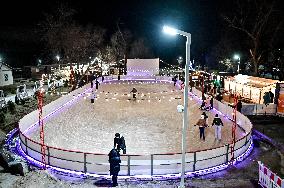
150 124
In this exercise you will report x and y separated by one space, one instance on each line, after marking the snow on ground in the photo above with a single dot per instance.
148 127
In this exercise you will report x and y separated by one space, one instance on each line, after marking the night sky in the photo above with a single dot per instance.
145 18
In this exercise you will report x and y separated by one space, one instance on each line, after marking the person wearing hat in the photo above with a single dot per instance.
117 142
202 124
114 161
134 92
217 122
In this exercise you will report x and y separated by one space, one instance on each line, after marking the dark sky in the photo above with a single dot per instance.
144 18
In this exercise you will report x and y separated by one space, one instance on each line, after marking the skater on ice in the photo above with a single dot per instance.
202 124
97 84
217 122
134 91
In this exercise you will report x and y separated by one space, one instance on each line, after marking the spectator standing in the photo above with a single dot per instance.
239 106
114 161
217 122
117 142
271 96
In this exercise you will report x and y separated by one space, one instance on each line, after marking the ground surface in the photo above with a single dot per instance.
150 124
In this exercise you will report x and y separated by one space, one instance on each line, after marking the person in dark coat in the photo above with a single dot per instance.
271 96
239 106
114 161
92 84
202 124
117 142
175 80
103 78
97 84
134 91
211 102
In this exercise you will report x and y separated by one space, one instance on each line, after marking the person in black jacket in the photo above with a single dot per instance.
117 142
114 161
239 106
97 84
217 122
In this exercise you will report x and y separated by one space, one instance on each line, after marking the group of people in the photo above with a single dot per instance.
202 123
114 157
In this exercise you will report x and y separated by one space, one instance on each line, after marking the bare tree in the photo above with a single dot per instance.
139 49
259 21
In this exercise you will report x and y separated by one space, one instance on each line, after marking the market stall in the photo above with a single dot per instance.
251 88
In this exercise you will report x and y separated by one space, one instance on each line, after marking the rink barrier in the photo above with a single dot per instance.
155 166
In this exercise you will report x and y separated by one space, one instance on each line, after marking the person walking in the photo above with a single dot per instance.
92 84
97 84
217 122
211 102
202 124
114 161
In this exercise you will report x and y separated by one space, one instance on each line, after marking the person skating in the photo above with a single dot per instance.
114 161
134 91
217 122
175 80
211 102
202 124
93 96
97 84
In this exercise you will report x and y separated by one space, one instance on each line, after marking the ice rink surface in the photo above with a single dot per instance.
150 124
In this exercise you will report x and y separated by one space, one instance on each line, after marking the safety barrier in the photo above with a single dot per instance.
267 178
154 165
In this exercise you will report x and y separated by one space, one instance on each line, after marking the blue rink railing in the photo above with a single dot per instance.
154 166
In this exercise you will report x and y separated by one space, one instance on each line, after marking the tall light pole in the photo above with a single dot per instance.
237 57
173 31
57 57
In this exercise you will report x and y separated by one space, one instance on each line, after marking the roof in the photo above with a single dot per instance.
5 65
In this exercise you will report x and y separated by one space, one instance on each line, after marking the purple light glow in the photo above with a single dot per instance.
136 177
60 107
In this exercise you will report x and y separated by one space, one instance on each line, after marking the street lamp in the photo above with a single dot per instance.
237 57
57 57
173 31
